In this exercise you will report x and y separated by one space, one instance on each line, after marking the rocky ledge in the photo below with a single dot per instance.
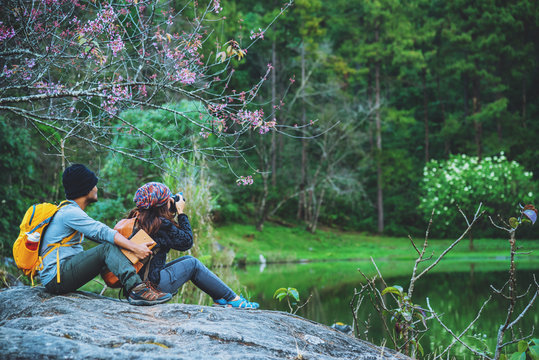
81 325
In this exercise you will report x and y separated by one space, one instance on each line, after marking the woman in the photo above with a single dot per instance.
164 220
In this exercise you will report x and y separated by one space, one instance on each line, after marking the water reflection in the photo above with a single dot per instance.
456 290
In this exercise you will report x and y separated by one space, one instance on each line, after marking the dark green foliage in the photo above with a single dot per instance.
19 188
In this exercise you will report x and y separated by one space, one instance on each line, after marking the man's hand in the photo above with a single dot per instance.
141 251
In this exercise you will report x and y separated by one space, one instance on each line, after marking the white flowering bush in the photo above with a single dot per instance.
465 181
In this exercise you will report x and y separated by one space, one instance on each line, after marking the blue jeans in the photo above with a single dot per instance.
178 272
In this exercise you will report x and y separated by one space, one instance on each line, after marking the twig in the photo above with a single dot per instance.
476 217
305 303
379 273
500 227
519 317
420 257
455 337
377 306
525 293
413 244
518 340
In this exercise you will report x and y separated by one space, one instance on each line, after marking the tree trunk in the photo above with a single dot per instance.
478 126
447 146
317 204
301 203
274 110
371 106
524 102
262 211
499 128
426 114
380 194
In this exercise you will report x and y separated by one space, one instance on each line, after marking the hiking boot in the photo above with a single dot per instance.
145 294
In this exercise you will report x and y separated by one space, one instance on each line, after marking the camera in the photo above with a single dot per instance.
176 198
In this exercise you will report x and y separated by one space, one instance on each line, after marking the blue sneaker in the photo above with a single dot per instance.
241 303
220 303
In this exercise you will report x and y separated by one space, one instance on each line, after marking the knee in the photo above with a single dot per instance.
194 262
108 246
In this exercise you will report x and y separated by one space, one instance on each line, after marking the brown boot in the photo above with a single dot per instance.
145 294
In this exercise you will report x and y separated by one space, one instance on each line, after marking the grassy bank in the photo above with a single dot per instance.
290 244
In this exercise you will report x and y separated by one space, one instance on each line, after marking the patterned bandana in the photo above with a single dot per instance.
152 194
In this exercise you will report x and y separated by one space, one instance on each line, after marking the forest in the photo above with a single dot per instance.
353 115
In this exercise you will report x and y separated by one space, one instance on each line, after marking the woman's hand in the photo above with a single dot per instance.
180 205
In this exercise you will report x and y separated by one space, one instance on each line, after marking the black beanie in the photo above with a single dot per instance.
78 181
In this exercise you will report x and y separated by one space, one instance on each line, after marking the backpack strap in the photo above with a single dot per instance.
56 246
148 260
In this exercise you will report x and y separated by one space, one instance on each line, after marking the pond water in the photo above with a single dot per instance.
456 290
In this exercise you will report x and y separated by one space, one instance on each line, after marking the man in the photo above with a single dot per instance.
68 266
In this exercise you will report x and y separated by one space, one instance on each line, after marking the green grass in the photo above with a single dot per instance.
290 244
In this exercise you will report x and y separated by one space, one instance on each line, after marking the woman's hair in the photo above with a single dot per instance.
149 220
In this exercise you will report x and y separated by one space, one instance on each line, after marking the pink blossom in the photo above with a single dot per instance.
7 72
49 88
245 180
265 128
204 134
116 45
216 107
6 33
253 118
143 91
185 76
101 22
216 6
257 35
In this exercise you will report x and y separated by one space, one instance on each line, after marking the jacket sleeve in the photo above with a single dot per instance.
178 238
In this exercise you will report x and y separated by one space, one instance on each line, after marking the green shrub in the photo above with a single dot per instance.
465 181
108 211
17 190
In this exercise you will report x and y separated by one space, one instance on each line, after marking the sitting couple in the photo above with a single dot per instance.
69 267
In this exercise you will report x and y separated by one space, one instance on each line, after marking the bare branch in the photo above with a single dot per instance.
518 340
456 338
470 224
519 317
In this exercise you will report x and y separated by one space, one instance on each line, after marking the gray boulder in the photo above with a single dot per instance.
81 325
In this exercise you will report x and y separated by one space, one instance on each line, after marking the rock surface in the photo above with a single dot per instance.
80 325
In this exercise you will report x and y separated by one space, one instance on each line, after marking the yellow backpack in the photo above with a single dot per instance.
34 223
